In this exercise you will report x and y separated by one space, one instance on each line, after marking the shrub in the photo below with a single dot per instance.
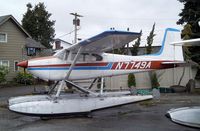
154 81
131 80
3 73
24 78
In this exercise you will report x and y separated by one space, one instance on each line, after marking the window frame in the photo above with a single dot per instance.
7 61
15 65
6 40
28 52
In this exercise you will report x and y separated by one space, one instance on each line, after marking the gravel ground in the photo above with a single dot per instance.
143 116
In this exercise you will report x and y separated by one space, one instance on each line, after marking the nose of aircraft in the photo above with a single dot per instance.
23 64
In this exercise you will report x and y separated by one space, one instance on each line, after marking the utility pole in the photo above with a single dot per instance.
128 44
76 23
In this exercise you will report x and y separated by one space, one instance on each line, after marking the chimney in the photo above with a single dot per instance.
58 44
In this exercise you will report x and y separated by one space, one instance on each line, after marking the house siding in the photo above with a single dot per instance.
14 49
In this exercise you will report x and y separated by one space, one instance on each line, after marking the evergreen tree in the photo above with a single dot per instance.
150 40
131 80
154 80
134 48
190 17
36 21
121 50
186 33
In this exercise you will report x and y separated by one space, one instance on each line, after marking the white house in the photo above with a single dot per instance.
59 44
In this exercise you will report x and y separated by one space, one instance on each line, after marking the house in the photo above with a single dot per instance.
16 45
59 44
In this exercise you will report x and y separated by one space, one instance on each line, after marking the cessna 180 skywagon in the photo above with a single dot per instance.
86 60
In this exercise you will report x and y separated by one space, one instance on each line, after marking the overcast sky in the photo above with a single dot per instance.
100 15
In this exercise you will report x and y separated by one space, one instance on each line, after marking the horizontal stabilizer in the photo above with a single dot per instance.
180 63
191 42
174 62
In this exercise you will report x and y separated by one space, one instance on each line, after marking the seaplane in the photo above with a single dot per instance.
88 59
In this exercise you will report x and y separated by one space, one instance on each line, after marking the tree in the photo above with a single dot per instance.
150 40
36 21
190 17
152 75
131 80
121 50
154 80
134 51
186 34
134 48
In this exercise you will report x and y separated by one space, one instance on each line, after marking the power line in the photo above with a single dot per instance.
68 33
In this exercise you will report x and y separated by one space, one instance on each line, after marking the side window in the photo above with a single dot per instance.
63 54
31 51
97 57
4 63
3 37
73 56
87 57
66 55
82 57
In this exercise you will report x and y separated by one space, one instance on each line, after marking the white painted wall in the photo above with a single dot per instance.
167 78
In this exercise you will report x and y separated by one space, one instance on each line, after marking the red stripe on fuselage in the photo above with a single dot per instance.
66 65
140 65
114 65
43 58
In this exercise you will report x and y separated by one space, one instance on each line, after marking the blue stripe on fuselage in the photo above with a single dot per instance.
74 68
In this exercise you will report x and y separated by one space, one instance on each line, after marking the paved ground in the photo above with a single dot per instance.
148 115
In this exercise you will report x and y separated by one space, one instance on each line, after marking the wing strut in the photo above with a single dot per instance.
69 72
91 85
84 90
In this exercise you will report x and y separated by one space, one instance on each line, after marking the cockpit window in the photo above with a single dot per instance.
86 57
63 54
98 57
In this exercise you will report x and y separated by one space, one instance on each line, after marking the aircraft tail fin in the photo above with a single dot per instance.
169 51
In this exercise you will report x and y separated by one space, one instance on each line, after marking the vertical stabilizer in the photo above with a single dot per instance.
169 51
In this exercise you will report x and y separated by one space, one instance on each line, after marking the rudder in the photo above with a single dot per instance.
169 51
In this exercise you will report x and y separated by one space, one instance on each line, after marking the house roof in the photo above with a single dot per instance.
63 41
5 18
46 52
34 44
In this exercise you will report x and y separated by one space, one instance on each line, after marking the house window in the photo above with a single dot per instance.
15 66
3 37
4 63
31 51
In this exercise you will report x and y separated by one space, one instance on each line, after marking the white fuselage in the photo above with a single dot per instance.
54 68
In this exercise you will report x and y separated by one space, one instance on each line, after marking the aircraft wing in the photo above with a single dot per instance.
105 41
191 42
